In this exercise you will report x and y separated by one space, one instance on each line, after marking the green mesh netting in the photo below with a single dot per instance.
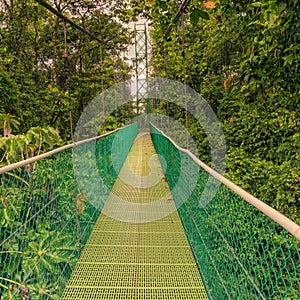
241 253
138 248
46 217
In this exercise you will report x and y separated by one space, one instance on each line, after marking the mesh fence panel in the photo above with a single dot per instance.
241 253
46 219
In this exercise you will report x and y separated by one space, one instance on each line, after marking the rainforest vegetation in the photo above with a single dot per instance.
49 72
243 57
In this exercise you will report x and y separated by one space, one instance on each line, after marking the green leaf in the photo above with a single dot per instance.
21 142
256 4
204 15
196 14
3 141
194 17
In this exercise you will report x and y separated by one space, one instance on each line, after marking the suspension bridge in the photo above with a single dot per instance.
141 241
132 215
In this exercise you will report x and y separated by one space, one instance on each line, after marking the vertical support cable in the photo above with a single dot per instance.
136 72
168 116
67 64
191 213
166 73
184 75
65 38
101 66
115 101
102 83
71 125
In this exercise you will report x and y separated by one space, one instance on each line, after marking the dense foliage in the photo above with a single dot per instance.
45 85
243 57
45 82
47 214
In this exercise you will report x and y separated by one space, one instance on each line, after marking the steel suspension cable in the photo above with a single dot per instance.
184 74
181 11
187 123
66 19
65 38
72 23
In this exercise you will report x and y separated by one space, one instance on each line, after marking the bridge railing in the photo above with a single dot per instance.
47 213
244 248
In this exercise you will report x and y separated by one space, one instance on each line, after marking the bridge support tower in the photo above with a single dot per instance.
142 71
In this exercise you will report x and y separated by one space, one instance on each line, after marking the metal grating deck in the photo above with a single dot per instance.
138 248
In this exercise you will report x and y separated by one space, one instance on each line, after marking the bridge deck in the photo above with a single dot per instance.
138 248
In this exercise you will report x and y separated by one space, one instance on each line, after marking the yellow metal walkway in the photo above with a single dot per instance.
138 248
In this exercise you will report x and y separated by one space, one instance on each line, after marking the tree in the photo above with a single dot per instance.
243 58
50 86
